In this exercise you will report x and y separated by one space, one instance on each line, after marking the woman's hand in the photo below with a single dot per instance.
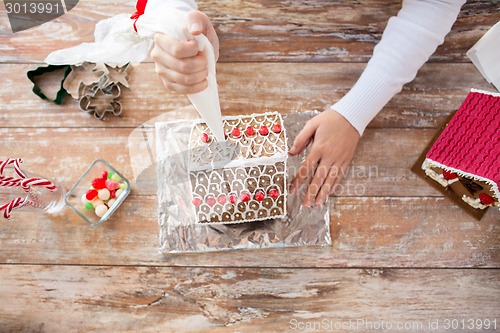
179 64
334 141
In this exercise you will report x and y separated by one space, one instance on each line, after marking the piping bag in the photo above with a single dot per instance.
174 23
116 44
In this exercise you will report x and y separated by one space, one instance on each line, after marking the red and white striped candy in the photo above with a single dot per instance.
10 181
35 181
17 168
17 202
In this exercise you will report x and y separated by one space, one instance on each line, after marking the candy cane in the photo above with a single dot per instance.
17 202
10 181
13 183
17 168
35 181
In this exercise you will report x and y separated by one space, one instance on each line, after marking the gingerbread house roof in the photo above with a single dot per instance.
470 143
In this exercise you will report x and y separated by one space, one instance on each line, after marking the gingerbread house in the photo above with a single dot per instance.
466 155
244 178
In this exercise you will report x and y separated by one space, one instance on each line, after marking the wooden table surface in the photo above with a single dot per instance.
402 256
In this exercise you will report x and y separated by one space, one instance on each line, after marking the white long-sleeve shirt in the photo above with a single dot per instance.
408 41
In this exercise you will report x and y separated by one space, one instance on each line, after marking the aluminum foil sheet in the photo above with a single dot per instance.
178 231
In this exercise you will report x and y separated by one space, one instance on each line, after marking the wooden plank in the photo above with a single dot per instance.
366 232
248 88
147 299
262 30
64 154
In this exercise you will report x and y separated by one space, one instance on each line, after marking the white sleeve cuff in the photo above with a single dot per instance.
360 105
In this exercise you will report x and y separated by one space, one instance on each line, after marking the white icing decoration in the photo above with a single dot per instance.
476 203
229 166
429 163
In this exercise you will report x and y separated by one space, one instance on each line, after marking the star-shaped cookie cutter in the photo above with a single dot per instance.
101 100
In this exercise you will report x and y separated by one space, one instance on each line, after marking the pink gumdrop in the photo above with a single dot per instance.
210 201
112 185
196 201
221 199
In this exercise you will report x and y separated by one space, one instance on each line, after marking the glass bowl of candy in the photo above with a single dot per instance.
98 193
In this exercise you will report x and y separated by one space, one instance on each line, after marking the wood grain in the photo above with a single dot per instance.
63 154
401 252
154 299
426 102
262 30
366 232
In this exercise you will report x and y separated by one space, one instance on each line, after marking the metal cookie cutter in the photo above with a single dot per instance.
100 101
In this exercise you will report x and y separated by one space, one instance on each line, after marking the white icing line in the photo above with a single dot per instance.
244 221
280 156
241 162
485 92
475 203
429 163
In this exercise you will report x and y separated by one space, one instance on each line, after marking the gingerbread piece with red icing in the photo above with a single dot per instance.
465 156
244 178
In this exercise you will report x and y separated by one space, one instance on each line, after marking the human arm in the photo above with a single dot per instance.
407 42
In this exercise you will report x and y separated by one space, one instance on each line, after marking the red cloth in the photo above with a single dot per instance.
140 6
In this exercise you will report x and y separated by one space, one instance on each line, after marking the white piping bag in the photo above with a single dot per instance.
174 23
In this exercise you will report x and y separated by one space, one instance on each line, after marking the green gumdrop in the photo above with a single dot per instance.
110 174
89 205
115 177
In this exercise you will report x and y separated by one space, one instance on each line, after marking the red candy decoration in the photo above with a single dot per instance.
112 194
449 175
90 195
221 199
263 130
210 201
259 196
204 138
196 201
244 197
111 184
274 193
277 128
232 199
104 175
236 132
98 183
485 199
249 131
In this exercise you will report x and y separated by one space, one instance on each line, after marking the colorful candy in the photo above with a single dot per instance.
236 132
98 183
249 131
263 130
274 193
259 196
232 199
101 210
221 199
485 199
276 128
103 193
245 197
204 138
